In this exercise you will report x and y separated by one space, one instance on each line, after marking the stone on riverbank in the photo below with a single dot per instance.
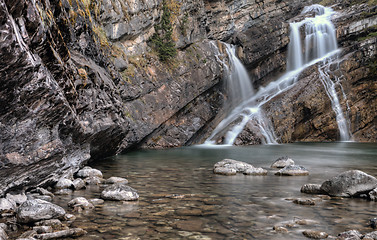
64 183
119 192
89 172
232 167
315 234
282 162
293 170
78 184
3 234
350 183
370 236
6 206
36 210
312 189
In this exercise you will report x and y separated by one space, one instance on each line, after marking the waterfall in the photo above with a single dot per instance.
319 45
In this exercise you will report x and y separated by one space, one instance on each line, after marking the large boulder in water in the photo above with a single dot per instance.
119 192
232 167
37 209
350 183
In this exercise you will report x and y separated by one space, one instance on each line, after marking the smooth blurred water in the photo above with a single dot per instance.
180 197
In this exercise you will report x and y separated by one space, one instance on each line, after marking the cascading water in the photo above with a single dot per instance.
319 45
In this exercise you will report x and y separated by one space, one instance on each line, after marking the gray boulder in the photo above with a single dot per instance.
232 167
89 172
78 184
3 234
293 170
282 162
312 189
350 183
6 206
370 236
119 192
36 210
113 180
350 235
64 183
80 202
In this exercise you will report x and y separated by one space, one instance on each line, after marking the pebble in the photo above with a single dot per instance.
280 229
304 201
315 234
113 180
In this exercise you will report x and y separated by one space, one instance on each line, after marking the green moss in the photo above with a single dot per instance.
372 32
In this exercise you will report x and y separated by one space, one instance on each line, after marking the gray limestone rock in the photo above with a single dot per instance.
6 206
64 183
119 192
232 167
78 184
293 170
350 183
36 210
80 202
89 172
312 189
113 180
350 235
282 162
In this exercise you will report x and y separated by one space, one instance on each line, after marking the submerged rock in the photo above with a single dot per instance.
119 192
315 234
293 170
113 180
312 189
73 232
282 162
36 210
232 167
350 235
350 183
80 202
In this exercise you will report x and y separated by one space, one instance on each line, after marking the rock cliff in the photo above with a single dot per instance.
80 79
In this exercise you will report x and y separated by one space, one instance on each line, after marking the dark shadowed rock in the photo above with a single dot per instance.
349 183
282 162
305 201
36 210
315 234
373 223
293 170
119 192
312 189
350 235
232 167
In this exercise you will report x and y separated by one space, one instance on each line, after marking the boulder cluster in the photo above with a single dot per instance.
35 213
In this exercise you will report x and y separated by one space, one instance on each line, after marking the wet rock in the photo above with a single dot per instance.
42 229
96 201
280 229
32 196
189 225
349 184
36 210
350 235
74 232
315 234
17 198
370 236
293 170
6 206
312 189
231 167
282 162
89 172
28 235
42 191
373 223
69 218
3 234
80 202
93 180
113 180
304 201
78 184
255 171
54 223
64 183
119 192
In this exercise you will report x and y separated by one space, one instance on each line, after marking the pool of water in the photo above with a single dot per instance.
180 197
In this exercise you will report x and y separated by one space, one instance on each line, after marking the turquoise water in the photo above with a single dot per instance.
180 197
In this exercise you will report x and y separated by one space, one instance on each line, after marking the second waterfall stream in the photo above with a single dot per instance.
319 45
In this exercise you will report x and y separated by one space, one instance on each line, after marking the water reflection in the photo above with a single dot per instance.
180 197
